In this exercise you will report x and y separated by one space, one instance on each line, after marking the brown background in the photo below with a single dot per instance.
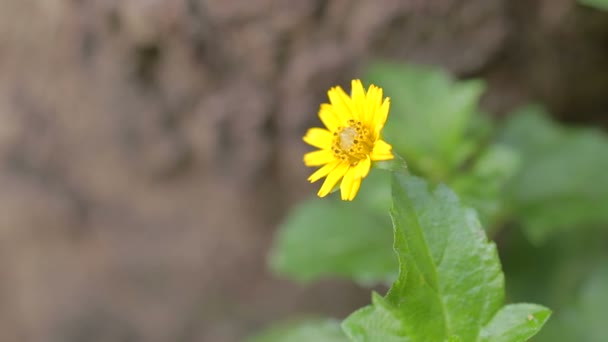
148 148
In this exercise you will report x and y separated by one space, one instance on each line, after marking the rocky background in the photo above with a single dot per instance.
148 148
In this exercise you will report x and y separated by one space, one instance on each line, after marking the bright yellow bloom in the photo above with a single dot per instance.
352 138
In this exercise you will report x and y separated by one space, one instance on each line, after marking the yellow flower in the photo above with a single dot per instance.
352 138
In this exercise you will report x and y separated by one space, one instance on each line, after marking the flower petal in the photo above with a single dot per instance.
358 100
380 117
318 137
330 118
373 103
350 185
354 189
324 171
342 104
382 151
332 179
319 157
363 167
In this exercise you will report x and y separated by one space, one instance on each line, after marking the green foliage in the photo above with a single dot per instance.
436 126
305 330
343 240
380 321
559 196
324 238
450 285
599 4
430 116
557 187
515 322
481 187
590 310
584 318
539 187
556 274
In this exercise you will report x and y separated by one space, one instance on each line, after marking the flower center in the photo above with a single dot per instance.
352 143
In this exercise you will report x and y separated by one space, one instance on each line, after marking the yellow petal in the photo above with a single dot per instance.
382 151
332 179
322 172
380 117
363 167
354 189
318 137
330 118
369 109
374 101
318 158
341 103
350 185
358 100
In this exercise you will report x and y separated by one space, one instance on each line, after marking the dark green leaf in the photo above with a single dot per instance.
430 116
558 273
600 4
562 183
585 318
450 285
482 186
326 237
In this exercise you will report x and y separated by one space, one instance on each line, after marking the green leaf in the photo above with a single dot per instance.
325 237
450 286
377 322
430 116
554 274
307 330
599 4
585 318
397 164
375 196
562 182
515 322
482 186
593 304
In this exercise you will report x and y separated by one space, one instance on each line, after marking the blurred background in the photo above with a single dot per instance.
149 148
